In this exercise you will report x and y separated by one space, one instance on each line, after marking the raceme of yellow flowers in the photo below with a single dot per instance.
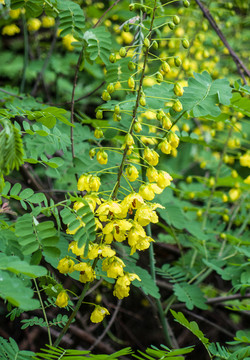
116 221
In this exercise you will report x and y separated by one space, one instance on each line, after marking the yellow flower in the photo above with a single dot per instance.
75 249
151 156
245 159
62 299
141 244
164 179
94 183
146 214
66 265
148 191
102 157
83 183
67 40
48 21
234 194
165 147
152 174
107 251
131 202
10 30
94 251
14 14
121 288
131 172
108 209
117 227
247 180
87 274
33 24
2 2
92 200
135 233
98 314
173 140
114 267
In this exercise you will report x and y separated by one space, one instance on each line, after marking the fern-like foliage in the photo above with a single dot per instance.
99 43
74 219
33 236
163 353
9 350
59 321
191 295
72 20
219 351
175 274
191 326
11 147
62 354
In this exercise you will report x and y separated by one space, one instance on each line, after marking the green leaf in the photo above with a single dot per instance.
17 266
192 326
99 43
72 20
203 95
17 292
241 103
33 8
191 295
11 147
48 116
9 350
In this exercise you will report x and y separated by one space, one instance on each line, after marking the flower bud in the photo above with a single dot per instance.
98 133
131 83
152 174
177 61
177 106
151 156
110 88
166 122
122 52
99 114
131 172
129 140
165 147
178 89
165 67
102 157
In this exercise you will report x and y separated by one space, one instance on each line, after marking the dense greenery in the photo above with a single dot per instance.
124 173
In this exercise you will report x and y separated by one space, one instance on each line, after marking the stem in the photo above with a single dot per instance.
139 90
43 310
239 64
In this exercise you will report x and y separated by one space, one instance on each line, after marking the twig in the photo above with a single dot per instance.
11 94
73 104
234 56
46 62
105 12
108 327
221 299
213 324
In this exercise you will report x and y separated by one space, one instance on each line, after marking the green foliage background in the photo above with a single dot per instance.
205 221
